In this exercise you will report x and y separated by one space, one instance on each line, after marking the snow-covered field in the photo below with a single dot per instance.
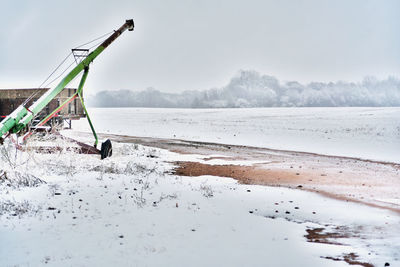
370 133
129 210
68 209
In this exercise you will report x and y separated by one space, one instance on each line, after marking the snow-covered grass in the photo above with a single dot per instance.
370 133
130 210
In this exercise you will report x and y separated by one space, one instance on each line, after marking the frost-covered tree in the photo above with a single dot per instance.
249 88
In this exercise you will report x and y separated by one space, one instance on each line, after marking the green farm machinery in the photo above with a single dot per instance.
20 120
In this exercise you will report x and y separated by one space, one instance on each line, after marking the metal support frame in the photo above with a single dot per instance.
79 54
79 92
70 99
54 113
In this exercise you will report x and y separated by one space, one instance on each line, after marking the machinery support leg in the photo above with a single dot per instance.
82 82
106 147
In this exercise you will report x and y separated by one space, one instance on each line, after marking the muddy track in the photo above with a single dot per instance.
351 179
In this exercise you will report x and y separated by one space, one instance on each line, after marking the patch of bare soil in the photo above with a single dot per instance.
321 235
342 188
331 236
351 259
244 174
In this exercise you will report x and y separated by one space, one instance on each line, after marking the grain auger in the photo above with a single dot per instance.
18 121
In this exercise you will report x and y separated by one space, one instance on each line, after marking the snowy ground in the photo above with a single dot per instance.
369 133
129 210
69 209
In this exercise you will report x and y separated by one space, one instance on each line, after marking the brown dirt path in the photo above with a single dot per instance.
370 182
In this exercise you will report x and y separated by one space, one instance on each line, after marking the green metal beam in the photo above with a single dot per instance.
8 124
79 92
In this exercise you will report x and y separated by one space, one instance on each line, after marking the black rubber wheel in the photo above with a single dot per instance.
106 149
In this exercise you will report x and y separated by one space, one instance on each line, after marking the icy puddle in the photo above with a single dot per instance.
130 210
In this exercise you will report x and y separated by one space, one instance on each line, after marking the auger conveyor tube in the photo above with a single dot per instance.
20 118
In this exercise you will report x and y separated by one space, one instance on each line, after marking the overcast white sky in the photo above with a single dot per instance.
187 44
